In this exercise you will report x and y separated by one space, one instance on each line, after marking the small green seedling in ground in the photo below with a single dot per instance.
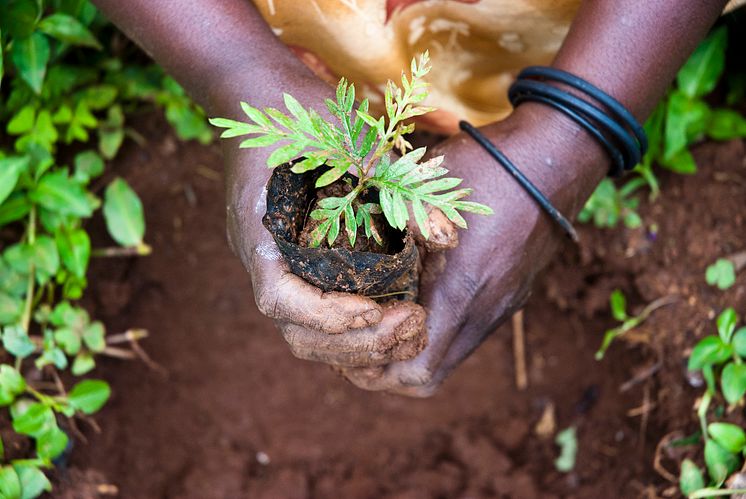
718 356
724 352
400 182
567 440
618 303
721 274
608 205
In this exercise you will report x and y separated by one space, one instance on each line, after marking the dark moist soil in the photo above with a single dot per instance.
237 416
362 243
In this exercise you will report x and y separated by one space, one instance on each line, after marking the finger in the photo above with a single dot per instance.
400 335
442 233
283 296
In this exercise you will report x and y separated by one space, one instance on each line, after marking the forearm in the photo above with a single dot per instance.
221 51
632 50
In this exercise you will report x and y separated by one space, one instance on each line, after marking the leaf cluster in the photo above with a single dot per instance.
364 144
721 274
720 358
61 120
682 118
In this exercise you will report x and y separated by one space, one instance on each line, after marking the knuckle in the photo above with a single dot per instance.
417 377
266 301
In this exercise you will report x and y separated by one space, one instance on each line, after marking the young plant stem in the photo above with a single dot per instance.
28 306
700 494
139 250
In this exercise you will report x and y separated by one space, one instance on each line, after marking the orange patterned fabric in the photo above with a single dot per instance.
477 46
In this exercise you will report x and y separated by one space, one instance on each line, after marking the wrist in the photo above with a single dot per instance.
554 152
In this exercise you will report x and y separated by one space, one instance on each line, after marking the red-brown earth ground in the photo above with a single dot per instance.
237 416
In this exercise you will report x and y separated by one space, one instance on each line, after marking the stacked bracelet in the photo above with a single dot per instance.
612 125
615 128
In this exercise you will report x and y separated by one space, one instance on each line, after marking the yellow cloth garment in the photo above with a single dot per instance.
476 46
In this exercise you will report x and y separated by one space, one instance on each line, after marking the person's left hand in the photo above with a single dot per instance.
468 291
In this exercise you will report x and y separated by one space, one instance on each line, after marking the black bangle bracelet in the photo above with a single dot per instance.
617 158
616 108
530 188
523 90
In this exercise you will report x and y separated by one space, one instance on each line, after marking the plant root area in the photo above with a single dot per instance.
230 413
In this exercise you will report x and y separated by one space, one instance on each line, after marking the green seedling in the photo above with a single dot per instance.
567 440
61 120
609 205
618 303
719 357
402 183
721 274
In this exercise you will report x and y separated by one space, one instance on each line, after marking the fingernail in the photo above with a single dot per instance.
372 316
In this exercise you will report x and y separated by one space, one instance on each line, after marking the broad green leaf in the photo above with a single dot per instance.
89 395
124 214
17 342
68 340
83 364
10 309
11 380
722 274
69 30
109 141
51 443
618 305
726 323
188 122
710 350
75 250
16 207
88 165
18 17
682 162
726 124
701 72
58 192
733 382
23 121
30 56
739 342
730 437
10 170
691 478
33 481
93 336
46 257
720 463
685 117
10 484
35 420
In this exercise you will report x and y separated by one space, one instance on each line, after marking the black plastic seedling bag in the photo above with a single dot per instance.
289 200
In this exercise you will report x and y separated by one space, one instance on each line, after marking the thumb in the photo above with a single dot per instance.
442 233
